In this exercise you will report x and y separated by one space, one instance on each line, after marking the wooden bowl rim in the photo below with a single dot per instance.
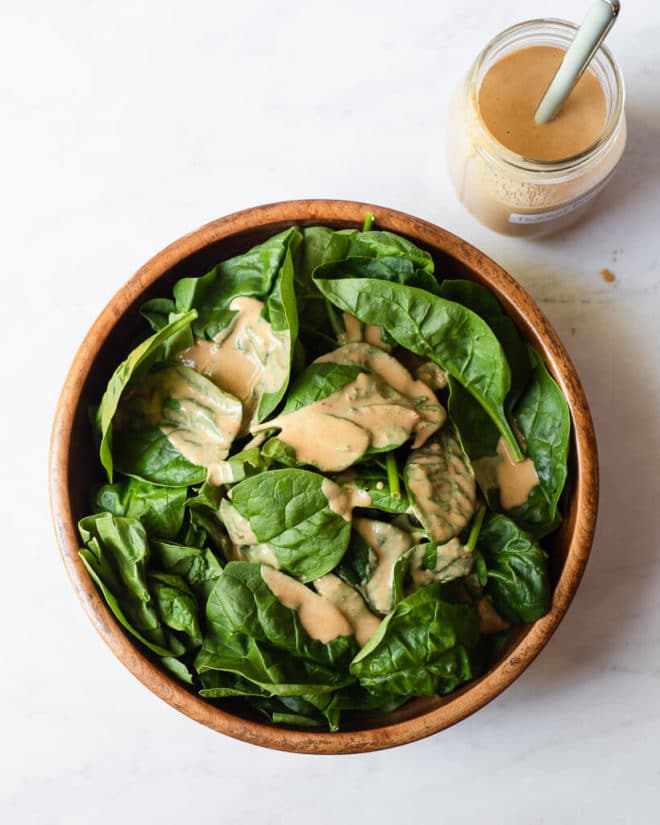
517 303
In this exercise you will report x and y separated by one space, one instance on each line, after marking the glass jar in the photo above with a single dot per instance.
513 194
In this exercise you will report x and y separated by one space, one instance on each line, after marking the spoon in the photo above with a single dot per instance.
599 20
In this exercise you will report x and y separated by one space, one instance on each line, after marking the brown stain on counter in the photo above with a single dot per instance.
607 275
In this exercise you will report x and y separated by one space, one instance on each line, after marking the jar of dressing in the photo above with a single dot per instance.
518 177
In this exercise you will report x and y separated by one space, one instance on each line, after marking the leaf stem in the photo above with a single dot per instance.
368 221
393 475
475 529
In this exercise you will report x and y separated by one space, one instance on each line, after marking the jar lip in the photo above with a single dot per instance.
494 150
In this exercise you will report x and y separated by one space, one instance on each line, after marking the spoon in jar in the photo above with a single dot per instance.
599 20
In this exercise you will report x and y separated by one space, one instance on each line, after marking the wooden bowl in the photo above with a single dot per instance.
74 465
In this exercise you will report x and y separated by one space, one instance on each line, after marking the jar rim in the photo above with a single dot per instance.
496 151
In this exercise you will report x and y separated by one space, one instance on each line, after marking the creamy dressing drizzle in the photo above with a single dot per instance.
432 375
433 414
342 500
443 487
237 526
333 433
453 560
261 553
319 617
247 359
200 426
356 331
515 479
220 472
389 544
351 604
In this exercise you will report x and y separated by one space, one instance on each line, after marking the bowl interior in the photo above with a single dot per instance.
74 466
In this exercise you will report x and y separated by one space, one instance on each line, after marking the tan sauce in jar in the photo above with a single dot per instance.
511 91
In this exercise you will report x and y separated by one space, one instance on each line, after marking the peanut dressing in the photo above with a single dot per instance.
442 485
318 616
514 479
351 604
512 89
247 358
397 376
200 425
453 560
342 500
388 544
335 432
356 331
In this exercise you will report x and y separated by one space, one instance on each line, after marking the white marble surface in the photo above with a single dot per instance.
127 124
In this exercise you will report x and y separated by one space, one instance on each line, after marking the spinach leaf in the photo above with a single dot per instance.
370 478
160 509
291 510
357 564
290 710
351 243
518 580
448 334
176 605
421 648
314 318
544 421
478 434
441 485
172 425
251 274
199 567
138 362
356 698
252 634
116 556
247 462
431 562
318 382
177 668
481 301
158 312
395 270
282 312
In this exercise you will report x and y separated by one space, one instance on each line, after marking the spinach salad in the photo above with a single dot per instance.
327 473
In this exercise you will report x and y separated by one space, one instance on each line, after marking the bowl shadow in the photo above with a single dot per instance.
607 613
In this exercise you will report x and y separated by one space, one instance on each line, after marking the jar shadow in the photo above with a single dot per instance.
638 170
598 634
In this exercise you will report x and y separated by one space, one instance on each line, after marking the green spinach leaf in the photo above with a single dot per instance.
137 363
518 580
441 485
116 556
481 301
421 648
291 510
318 382
173 425
176 605
251 274
199 567
448 334
544 421
160 509
252 634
